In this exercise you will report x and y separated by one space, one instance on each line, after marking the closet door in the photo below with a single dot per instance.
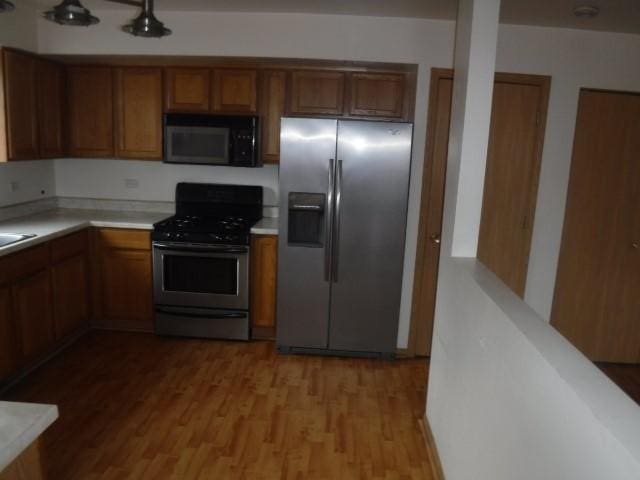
597 301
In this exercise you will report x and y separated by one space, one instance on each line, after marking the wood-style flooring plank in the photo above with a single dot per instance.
137 406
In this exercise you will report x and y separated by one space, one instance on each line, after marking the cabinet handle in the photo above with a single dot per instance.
435 238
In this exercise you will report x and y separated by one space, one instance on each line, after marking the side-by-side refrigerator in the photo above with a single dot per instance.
343 208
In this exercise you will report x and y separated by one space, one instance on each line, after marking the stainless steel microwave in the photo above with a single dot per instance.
211 139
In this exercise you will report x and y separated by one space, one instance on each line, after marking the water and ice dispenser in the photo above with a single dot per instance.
306 219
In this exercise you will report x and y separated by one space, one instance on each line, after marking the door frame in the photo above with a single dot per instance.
427 193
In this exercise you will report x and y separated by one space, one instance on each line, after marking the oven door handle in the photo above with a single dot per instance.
200 249
182 313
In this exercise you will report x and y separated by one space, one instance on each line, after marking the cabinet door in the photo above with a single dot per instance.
234 91
264 254
377 95
50 94
8 360
273 96
187 89
318 93
90 107
139 113
20 99
124 277
32 309
70 295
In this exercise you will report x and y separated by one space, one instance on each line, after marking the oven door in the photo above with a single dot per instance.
198 275
201 145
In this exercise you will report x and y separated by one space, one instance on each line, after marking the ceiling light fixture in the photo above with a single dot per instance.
146 24
6 6
586 11
71 12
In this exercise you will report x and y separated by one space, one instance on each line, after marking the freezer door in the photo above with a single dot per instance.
307 167
372 182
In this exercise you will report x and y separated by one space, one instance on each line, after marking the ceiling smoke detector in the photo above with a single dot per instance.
586 11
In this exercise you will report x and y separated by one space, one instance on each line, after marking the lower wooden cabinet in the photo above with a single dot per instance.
264 260
8 353
122 275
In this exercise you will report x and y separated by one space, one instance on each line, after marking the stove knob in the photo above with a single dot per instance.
167 235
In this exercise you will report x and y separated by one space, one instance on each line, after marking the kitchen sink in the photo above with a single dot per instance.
9 238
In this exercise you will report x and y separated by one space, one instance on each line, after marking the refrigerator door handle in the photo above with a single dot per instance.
335 246
329 221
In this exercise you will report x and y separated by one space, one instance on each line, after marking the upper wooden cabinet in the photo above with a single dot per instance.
187 89
273 98
377 95
317 93
138 113
234 91
50 100
19 78
90 107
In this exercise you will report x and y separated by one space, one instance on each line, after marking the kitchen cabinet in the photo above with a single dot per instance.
376 95
8 353
70 280
273 98
123 279
50 85
316 93
27 466
264 256
138 102
90 109
19 81
234 90
187 89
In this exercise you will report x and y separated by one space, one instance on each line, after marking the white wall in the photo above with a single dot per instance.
19 28
107 179
423 42
26 181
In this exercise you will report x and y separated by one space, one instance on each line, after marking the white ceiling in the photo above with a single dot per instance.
615 15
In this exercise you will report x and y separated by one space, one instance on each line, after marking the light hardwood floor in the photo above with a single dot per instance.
140 406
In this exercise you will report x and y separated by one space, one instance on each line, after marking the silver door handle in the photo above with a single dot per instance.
435 238
335 248
328 222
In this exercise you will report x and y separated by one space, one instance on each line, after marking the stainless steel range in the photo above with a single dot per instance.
201 261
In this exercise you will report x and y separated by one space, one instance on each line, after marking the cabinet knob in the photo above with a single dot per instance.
435 238
635 245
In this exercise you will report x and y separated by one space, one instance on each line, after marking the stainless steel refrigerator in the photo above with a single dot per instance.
343 207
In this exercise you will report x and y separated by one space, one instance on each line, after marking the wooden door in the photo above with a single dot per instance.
32 308
19 72
273 97
125 280
596 303
90 109
503 141
138 113
8 353
187 89
50 96
511 180
264 255
316 93
377 95
234 91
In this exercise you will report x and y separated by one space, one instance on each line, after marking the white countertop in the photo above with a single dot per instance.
266 226
62 221
20 425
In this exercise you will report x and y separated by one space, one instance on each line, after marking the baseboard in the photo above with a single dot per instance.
434 459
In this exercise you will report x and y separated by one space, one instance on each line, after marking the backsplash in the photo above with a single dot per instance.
26 181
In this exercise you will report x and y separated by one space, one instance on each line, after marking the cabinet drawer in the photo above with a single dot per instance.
22 264
68 246
129 239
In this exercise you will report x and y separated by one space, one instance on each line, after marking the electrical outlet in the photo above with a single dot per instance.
15 186
131 183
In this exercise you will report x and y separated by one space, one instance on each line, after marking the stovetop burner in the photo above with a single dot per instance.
209 213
